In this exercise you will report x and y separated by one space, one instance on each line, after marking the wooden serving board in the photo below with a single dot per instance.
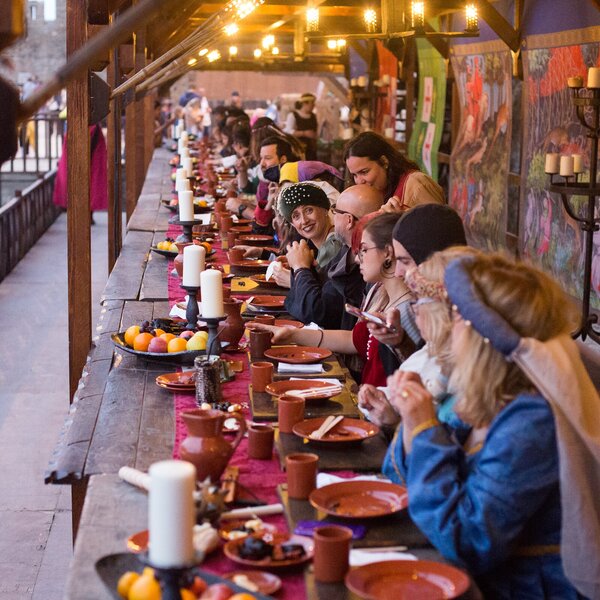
264 406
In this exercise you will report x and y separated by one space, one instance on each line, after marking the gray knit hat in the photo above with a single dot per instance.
301 194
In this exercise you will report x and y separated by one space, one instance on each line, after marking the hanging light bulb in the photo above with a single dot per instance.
275 50
268 41
233 50
243 8
203 52
257 53
230 29
341 43
417 14
312 19
192 61
214 55
471 18
332 44
370 19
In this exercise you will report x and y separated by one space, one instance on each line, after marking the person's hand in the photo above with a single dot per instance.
384 335
241 164
250 251
272 196
233 204
281 335
393 205
412 401
282 276
299 255
375 401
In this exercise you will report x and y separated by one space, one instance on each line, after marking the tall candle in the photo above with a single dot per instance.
182 185
186 205
185 153
188 165
211 284
184 137
566 166
193 264
577 163
593 80
171 513
552 162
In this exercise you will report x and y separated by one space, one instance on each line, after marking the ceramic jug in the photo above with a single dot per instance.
205 446
233 328
178 262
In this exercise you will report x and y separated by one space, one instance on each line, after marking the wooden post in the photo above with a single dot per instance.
78 214
130 153
140 118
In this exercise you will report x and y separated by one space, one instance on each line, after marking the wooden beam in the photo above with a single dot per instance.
130 162
500 25
140 118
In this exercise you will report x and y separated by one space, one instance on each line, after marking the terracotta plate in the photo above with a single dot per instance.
260 279
266 583
166 253
250 265
289 323
267 301
241 229
255 240
279 388
360 499
297 355
171 207
243 223
177 381
407 579
231 550
346 431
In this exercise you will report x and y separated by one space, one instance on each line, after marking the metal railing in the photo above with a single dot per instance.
24 219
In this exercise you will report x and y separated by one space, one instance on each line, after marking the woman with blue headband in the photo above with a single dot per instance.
492 498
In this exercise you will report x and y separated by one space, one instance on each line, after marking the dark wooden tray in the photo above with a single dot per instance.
264 408
365 456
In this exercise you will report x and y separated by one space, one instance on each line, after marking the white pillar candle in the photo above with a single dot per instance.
171 513
182 185
193 264
566 166
593 80
577 163
184 137
188 165
185 153
178 129
186 205
552 162
211 284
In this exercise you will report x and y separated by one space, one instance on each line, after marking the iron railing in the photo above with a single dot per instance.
24 219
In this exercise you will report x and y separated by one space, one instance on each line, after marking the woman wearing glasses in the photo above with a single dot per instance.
383 260
371 159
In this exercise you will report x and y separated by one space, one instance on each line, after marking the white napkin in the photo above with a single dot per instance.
324 479
312 325
229 161
271 270
176 311
358 557
287 368
203 219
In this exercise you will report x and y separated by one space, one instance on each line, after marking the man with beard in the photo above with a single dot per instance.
319 295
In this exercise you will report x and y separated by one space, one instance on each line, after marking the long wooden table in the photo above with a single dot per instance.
119 415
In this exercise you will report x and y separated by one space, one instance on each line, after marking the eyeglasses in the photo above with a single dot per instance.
415 304
339 211
363 250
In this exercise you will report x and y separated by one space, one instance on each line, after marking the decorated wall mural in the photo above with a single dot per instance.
479 162
549 237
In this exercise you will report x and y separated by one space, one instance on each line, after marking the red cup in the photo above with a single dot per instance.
262 375
235 254
265 319
259 342
260 441
301 471
332 552
290 410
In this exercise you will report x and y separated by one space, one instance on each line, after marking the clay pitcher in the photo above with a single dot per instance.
178 261
205 446
233 328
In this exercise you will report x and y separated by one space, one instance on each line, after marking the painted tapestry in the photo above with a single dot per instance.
549 237
480 157
429 123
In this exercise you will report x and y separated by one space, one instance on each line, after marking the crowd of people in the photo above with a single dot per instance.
464 359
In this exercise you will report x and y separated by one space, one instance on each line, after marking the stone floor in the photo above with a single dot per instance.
35 519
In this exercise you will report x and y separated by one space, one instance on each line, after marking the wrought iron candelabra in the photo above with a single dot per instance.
587 104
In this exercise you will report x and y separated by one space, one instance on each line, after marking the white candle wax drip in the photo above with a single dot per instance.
211 284
171 513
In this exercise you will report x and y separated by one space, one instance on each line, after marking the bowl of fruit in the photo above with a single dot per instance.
166 248
162 340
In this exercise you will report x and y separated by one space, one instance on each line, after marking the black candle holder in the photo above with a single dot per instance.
186 236
587 104
192 310
171 579
213 335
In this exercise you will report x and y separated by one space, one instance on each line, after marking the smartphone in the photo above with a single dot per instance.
367 316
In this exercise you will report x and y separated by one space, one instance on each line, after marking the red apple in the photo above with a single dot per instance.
157 344
187 334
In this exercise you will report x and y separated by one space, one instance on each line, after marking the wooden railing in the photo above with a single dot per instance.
24 219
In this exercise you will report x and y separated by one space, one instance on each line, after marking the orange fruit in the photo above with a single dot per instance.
142 341
125 582
167 336
145 588
177 345
131 333
202 203
159 332
242 596
207 246
187 594
198 586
